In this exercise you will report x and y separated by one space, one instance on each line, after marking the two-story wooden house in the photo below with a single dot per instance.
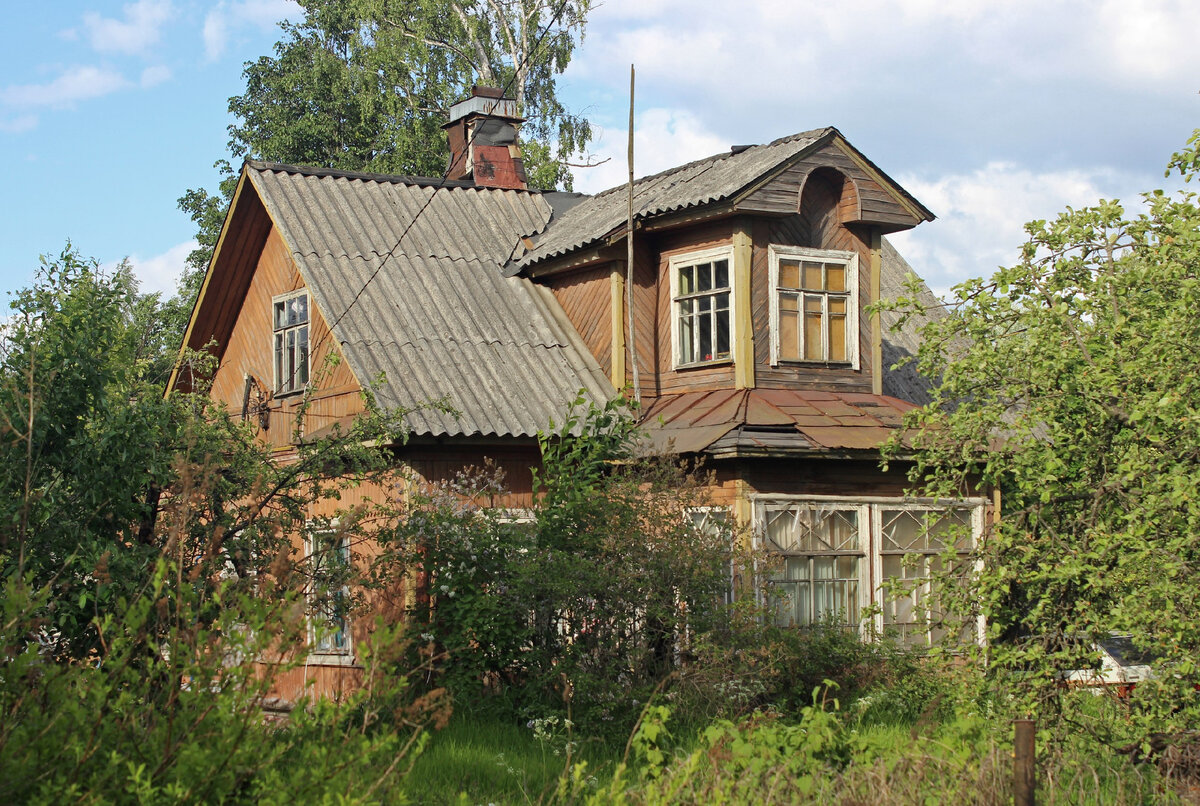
752 274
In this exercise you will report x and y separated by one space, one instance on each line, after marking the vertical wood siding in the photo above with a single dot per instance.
584 296
250 349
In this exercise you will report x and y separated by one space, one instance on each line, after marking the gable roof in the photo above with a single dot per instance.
718 178
435 319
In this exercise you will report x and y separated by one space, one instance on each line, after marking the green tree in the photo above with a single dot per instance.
366 85
1069 382
95 461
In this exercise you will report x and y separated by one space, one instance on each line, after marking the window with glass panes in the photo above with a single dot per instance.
834 557
290 317
813 305
702 302
914 543
821 555
328 596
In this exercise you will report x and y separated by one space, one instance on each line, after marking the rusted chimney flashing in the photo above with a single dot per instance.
478 91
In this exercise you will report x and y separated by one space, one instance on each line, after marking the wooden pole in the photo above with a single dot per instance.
637 386
1024 762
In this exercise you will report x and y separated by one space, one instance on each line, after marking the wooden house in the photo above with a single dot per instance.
752 274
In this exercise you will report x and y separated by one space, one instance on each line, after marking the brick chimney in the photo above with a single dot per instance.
484 146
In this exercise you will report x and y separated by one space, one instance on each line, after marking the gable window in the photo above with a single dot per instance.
701 301
328 595
866 563
290 318
814 305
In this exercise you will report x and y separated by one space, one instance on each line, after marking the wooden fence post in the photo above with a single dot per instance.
1024 762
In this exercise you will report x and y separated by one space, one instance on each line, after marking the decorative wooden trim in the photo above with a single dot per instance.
876 325
743 324
187 334
882 181
616 305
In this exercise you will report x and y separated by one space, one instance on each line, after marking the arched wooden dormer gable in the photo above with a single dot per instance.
827 200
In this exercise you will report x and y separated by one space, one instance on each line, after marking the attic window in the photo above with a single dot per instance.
290 322
702 299
814 305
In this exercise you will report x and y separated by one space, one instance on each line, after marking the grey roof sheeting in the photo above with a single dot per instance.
905 382
439 321
704 181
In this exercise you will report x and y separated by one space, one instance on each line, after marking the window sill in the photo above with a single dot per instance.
783 362
719 362
283 397
330 659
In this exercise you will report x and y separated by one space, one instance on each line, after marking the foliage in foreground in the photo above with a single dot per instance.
580 607
146 562
169 710
1069 382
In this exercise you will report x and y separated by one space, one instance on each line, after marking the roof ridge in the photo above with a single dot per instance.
393 179
720 155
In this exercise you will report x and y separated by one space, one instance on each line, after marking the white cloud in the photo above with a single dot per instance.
227 17
982 214
75 84
153 76
662 138
139 28
21 123
160 273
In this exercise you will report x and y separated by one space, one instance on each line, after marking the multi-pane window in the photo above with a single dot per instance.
821 554
836 557
914 543
290 318
702 301
328 594
813 305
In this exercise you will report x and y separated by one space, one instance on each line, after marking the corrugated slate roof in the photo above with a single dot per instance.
439 322
711 179
905 383
779 419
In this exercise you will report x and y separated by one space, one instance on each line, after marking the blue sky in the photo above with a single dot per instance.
991 113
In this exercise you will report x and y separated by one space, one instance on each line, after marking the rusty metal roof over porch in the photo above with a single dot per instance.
764 421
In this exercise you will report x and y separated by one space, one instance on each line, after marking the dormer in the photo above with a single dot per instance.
752 269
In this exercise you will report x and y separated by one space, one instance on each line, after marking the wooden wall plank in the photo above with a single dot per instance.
584 296
250 349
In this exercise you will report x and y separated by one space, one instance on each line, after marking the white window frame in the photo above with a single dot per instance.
777 251
701 517
977 507
318 652
287 386
863 553
870 508
674 263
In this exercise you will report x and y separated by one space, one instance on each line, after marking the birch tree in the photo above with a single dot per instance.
366 85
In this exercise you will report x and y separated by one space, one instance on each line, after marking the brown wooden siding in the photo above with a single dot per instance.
584 296
249 349
672 381
874 204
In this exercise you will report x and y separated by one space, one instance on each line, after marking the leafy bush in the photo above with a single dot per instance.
587 607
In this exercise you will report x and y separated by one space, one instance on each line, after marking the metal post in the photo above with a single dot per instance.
1024 762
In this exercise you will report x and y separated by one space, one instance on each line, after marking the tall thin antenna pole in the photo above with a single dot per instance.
637 386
